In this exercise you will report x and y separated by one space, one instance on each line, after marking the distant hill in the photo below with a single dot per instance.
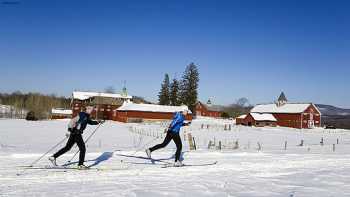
338 117
329 110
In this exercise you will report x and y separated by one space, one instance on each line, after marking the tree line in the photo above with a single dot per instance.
185 92
39 105
180 92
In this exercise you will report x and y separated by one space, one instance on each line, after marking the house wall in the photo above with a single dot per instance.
301 120
201 110
249 120
127 116
239 121
311 114
288 120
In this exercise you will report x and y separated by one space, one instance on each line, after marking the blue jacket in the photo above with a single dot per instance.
177 122
84 119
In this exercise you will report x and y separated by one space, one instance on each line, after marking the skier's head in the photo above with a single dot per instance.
89 109
184 112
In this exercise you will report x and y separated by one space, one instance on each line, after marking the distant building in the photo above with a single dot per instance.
59 113
209 110
105 104
132 112
256 119
295 115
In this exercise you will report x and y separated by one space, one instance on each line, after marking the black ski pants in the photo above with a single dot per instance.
74 138
170 136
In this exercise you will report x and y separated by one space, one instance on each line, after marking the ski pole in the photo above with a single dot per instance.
85 143
137 150
34 162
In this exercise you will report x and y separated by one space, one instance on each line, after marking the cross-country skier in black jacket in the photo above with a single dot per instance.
76 127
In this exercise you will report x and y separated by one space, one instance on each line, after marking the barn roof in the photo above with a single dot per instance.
61 111
151 108
263 117
288 108
87 95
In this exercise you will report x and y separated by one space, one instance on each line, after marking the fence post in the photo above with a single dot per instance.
190 142
236 145
209 144
285 145
194 144
259 146
301 143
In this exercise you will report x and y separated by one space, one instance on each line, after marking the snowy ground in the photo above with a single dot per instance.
308 170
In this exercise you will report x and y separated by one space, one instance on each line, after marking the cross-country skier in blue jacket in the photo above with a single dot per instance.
173 133
76 127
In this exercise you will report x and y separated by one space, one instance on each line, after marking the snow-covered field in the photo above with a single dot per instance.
118 148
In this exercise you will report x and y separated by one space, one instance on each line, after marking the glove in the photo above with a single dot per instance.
67 134
101 121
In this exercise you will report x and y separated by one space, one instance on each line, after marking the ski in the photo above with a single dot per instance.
189 165
145 158
75 168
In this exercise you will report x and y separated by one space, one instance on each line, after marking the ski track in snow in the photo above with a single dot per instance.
242 172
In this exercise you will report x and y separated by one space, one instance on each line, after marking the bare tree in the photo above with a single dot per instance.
242 102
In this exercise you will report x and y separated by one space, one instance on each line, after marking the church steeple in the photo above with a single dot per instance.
282 99
209 102
124 91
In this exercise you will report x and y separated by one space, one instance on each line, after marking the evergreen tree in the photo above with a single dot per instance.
174 93
189 86
164 94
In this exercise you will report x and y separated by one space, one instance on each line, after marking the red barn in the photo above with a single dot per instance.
295 115
209 110
256 119
105 103
132 112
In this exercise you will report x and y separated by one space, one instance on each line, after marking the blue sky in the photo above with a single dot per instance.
253 49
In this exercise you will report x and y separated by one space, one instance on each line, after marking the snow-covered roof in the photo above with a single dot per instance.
290 108
61 111
129 106
87 95
263 117
242 116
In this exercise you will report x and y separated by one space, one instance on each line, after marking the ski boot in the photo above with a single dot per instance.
148 153
53 160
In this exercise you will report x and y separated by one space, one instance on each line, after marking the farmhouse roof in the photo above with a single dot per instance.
288 108
86 95
129 106
263 117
